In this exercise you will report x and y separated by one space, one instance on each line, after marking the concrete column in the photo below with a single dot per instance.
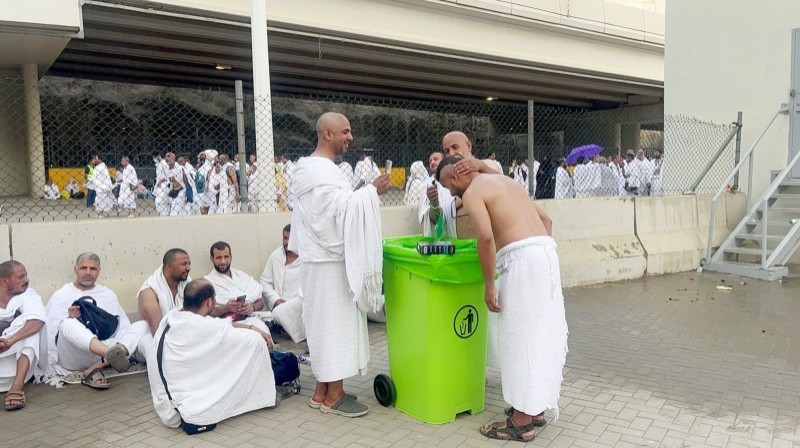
34 137
618 138
265 143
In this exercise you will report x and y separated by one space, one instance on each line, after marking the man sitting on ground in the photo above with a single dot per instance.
22 352
532 327
161 293
238 294
214 370
72 346
281 283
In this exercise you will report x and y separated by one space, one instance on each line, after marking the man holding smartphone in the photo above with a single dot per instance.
238 294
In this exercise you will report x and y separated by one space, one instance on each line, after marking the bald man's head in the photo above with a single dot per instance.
333 133
457 144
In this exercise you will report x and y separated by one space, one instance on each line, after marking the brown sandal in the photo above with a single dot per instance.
505 430
14 395
538 419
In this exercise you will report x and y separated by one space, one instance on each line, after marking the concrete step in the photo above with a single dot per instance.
752 270
785 196
790 183
758 237
745 251
790 210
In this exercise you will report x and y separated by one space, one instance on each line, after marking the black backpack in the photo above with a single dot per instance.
99 321
284 367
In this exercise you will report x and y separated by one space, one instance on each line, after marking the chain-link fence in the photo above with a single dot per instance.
72 148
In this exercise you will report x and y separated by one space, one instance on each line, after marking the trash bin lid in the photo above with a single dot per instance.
463 267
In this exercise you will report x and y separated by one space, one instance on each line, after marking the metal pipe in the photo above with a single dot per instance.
764 228
531 153
240 141
710 232
711 162
738 150
750 182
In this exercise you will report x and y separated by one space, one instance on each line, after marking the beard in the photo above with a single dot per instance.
223 269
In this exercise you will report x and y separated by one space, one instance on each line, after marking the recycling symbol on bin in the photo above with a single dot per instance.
465 324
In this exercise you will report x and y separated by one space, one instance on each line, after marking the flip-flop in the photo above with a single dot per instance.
16 395
92 382
345 407
315 405
509 411
116 357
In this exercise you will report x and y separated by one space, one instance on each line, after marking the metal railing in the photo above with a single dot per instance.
748 157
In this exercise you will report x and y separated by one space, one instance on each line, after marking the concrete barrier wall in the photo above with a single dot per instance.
5 243
131 249
669 230
597 240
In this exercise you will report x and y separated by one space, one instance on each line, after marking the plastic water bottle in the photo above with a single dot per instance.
304 360
793 221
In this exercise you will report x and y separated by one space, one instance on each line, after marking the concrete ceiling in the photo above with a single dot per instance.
139 46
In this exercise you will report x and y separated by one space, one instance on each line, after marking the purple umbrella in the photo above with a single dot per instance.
587 151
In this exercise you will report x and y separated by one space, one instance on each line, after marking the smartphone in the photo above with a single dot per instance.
240 299
388 167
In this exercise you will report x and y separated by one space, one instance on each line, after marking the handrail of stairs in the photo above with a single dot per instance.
747 157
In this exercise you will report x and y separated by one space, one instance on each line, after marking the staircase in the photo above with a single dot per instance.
768 235
765 239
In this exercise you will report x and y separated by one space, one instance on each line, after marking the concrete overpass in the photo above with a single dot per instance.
564 52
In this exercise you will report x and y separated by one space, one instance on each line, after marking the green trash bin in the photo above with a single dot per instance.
436 327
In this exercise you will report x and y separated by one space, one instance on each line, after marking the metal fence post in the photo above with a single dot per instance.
738 151
531 159
241 146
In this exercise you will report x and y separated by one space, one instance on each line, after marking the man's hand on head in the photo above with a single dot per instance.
468 166
381 184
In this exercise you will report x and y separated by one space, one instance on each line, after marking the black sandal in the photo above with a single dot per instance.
541 422
505 430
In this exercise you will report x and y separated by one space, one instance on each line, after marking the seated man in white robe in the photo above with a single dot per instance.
238 294
337 231
23 351
281 284
214 370
72 346
514 241
161 293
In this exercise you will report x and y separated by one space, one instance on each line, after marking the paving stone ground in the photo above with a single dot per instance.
664 361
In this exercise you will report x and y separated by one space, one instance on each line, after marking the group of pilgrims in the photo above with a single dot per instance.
327 276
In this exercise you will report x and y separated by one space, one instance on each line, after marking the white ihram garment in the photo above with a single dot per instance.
564 187
532 327
238 284
337 233
127 188
29 305
102 184
448 205
71 353
160 191
166 302
282 281
214 371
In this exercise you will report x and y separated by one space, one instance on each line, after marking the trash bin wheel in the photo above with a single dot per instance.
384 390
